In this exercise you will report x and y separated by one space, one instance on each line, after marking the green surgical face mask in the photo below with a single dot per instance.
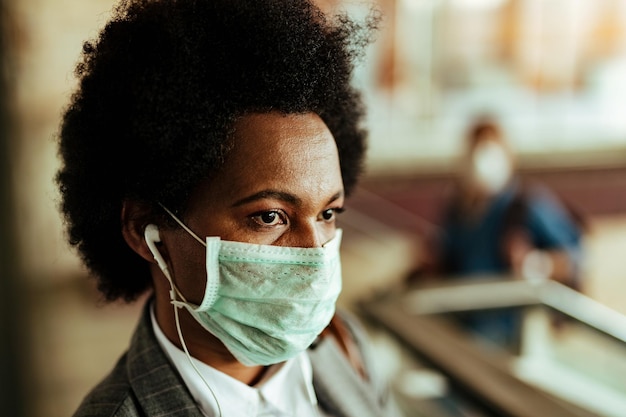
266 303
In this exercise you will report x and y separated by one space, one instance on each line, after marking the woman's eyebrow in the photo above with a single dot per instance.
279 195
272 194
335 197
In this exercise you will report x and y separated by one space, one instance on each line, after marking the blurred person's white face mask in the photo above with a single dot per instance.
490 167
266 303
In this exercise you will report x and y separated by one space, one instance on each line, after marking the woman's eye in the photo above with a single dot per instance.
269 218
330 214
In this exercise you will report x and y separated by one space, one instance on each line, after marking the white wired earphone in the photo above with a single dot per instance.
152 237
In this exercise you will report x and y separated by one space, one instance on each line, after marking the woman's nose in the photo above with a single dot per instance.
309 236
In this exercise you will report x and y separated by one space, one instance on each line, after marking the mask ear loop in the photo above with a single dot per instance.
151 235
183 225
212 247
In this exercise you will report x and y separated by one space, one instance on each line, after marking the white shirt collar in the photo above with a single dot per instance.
285 390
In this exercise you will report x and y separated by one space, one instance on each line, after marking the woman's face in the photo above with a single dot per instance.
487 166
281 185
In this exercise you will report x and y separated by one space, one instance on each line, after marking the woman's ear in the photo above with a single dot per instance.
134 221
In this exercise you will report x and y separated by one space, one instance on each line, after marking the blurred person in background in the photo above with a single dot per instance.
497 224
205 156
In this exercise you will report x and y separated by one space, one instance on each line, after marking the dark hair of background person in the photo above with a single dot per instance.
160 89
481 127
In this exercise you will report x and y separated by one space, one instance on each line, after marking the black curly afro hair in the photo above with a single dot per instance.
160 89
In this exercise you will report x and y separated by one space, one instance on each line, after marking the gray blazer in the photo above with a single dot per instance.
145 384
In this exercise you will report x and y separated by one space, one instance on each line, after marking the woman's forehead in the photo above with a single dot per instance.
294 153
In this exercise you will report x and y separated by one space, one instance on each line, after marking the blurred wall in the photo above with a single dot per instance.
46 41
14 371
46 321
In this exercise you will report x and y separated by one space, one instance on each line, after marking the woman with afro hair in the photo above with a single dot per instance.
206 153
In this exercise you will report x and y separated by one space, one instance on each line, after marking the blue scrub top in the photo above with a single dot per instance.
474 247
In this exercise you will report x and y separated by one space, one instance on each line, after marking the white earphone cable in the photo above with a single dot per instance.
151 236
184 345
